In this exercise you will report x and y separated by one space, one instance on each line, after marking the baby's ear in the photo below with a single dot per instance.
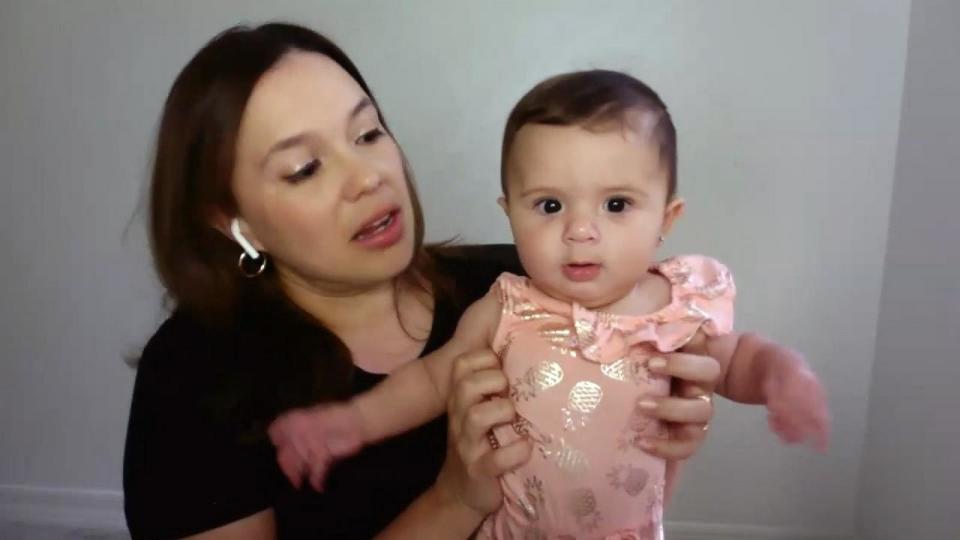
502 201
674 210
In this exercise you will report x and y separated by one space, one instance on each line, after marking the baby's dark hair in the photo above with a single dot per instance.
594 100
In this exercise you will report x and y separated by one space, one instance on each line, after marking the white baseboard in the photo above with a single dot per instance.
98 509
687 530
102 511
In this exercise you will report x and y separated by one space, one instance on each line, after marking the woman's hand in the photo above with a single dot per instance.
688 411
470 473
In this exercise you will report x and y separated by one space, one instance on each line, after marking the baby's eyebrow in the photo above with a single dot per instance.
539 190
626 188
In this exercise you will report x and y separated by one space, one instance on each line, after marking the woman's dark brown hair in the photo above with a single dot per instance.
595 100
194 163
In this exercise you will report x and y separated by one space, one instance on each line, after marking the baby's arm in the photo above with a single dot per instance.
745 362
758 371
309 440
417 392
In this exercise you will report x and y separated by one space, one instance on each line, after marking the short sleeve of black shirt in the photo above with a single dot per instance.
188 469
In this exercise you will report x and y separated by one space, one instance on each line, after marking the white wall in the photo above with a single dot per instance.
788 116
911 462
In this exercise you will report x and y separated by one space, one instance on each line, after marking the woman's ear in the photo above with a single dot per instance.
674 210
219 221
237 230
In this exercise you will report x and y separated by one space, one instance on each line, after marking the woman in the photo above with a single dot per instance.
273 150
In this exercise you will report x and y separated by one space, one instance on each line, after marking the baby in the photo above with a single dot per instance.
589 185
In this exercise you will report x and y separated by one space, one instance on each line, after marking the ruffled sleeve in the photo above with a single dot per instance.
705 290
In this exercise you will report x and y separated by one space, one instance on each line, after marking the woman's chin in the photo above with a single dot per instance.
389 263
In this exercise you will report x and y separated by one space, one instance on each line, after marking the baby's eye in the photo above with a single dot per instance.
304 172
616 204
548 206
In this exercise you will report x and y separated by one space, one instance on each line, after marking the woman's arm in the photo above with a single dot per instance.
259 526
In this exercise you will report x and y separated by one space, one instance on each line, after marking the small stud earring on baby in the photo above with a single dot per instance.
660 240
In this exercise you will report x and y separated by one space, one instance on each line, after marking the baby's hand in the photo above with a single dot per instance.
797 406
310 440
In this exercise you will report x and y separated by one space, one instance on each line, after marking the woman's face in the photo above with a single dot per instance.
319 183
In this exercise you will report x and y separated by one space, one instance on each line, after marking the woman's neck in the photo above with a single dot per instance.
384 325
343 309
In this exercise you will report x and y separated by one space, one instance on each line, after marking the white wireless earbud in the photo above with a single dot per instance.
242 240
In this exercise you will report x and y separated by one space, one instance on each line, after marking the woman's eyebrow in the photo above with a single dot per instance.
284 144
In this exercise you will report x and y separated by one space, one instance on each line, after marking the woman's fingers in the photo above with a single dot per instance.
469 363
683 442
482 417
701 371
504 459
472 466
679 410
689 410
476 387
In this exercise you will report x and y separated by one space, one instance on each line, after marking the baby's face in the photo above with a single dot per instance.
586 209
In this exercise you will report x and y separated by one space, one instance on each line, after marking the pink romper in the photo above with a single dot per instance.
575 377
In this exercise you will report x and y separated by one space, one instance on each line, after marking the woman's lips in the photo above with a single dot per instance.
383 231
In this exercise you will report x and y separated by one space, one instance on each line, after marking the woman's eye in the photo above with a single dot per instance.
549 206
370 136
616 204
306 171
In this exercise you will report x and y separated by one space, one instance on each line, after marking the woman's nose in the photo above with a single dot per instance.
362 179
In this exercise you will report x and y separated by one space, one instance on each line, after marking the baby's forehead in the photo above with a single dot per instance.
637 128
610 148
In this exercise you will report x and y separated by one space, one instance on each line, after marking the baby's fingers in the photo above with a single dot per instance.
789 431
318 474
279 430
819 432
291 464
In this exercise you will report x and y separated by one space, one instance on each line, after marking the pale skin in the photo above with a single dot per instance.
576 197
313 167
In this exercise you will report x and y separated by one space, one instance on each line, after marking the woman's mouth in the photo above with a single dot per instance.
382 231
